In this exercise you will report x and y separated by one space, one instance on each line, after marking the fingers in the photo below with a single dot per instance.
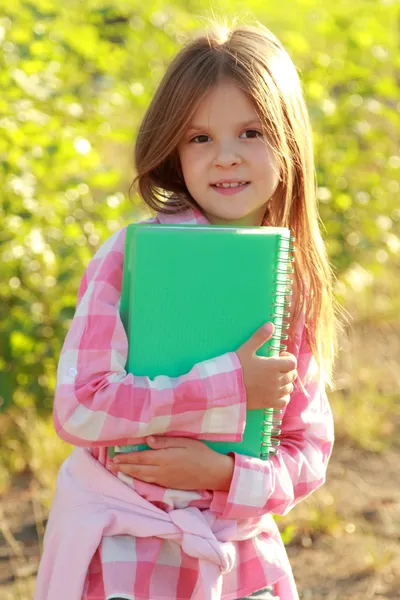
287 363
286 378
145 457
143 472
281 403
286 390
283 364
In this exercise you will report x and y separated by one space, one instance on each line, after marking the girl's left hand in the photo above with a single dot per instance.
177 463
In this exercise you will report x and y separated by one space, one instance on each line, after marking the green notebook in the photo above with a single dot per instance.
193 292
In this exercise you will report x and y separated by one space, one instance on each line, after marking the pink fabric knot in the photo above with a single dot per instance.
198 539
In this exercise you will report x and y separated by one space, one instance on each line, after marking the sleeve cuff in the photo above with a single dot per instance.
247 494
223 378
225 418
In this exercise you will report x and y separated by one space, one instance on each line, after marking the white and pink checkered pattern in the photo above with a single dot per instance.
97 404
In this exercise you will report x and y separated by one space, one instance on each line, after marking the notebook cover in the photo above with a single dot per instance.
194 292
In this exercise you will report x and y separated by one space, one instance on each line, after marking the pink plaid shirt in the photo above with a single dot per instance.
97 404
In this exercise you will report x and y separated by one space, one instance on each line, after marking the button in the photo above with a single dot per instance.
72 372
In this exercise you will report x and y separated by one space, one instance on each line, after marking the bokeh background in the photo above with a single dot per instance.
75 78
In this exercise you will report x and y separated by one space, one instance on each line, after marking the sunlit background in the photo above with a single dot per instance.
75 78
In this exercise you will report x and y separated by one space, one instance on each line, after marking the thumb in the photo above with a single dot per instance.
162 442
156 442
258 338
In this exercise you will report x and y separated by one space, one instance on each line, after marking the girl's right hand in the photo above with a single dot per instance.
268 380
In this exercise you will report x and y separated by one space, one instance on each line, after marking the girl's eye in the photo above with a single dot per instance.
199 139
254 133
202 138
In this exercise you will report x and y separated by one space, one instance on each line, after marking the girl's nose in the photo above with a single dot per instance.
226 156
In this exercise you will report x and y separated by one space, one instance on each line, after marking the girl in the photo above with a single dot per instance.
226 140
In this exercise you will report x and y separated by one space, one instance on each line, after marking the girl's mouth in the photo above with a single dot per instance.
229 191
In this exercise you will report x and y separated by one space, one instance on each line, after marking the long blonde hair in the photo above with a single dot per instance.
252 57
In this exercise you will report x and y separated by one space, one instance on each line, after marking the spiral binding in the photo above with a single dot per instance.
281 312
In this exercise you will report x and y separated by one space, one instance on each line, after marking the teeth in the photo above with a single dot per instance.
228 185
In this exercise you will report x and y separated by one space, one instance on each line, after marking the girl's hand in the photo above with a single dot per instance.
268 380
178 463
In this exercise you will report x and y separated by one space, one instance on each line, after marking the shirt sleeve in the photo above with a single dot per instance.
278 484
97 403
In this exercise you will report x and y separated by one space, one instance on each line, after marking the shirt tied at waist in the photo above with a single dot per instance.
198 539
91 503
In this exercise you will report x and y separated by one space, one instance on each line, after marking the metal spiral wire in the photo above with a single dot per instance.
281 313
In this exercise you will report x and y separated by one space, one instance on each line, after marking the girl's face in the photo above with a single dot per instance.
224 144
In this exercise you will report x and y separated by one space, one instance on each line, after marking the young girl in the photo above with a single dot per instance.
226 140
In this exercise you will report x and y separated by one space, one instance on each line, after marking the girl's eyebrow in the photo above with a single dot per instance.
194 127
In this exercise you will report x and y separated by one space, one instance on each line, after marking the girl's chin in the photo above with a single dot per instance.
233 217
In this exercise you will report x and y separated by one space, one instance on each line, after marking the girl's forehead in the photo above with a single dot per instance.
224 101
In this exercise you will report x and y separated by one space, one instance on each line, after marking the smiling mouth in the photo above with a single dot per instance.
230 185
230 190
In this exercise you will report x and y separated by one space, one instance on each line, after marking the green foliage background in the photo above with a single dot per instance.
75 79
